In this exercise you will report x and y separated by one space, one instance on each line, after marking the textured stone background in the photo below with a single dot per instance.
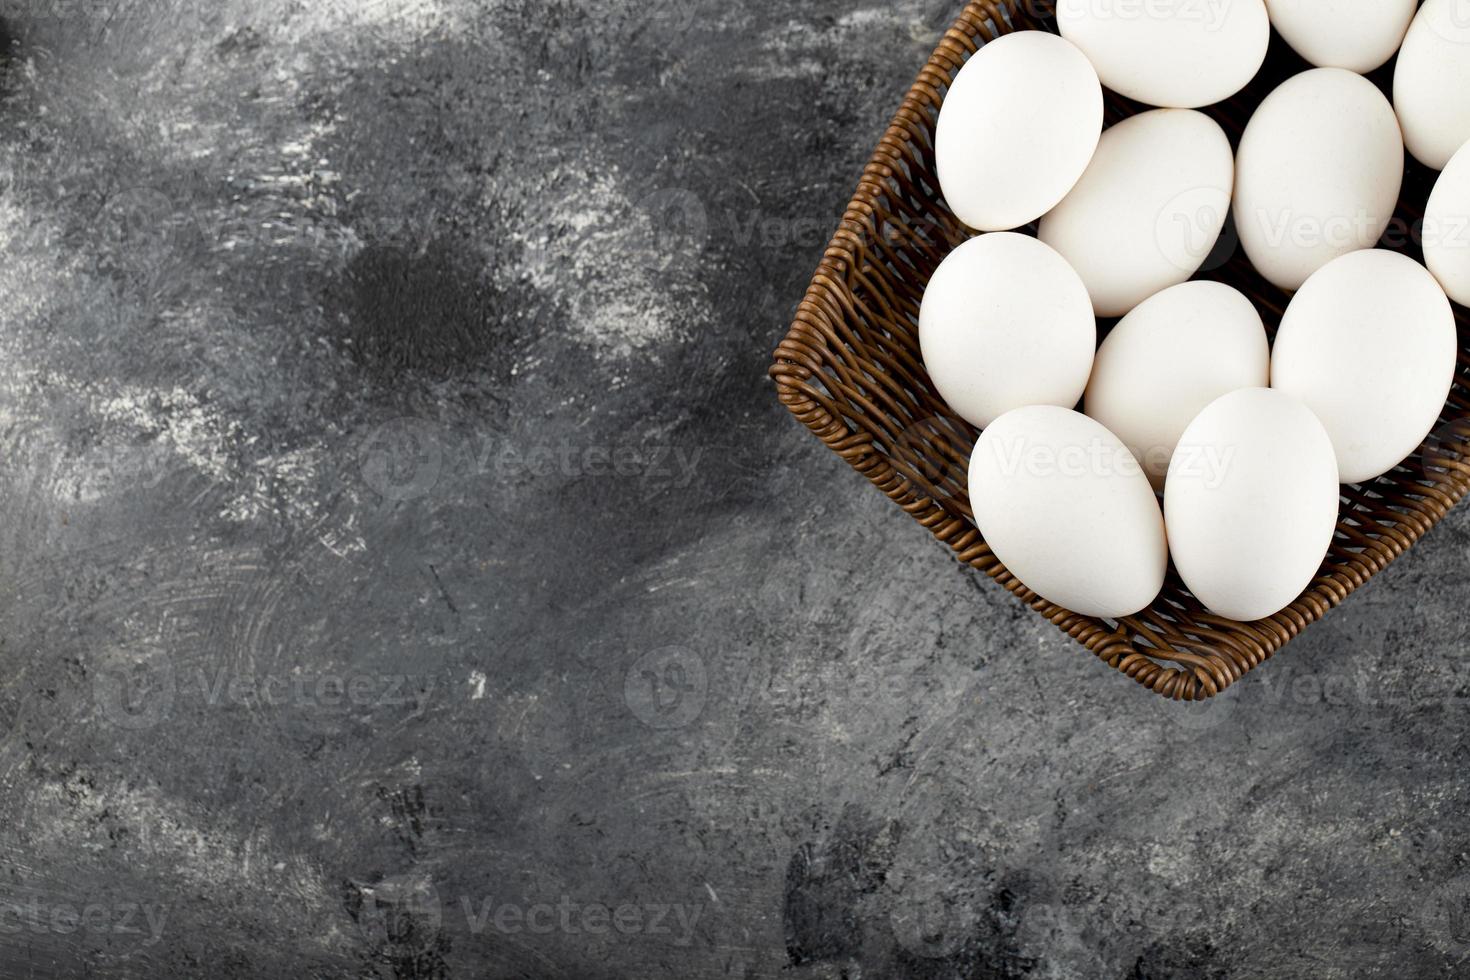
409 573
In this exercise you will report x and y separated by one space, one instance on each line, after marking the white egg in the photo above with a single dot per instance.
1447 228
1016 130
1005 322
1168 359
1181 54
1251 502
1066 509
1368 344
1359 35
1431 82
1147 210
1317 174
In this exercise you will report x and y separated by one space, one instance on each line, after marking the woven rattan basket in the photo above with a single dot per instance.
850 370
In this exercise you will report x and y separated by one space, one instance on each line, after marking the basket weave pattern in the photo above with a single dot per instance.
850 370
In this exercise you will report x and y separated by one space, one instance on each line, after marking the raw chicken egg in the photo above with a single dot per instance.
1006 322
1447 228
1180 54
1431 82
1369 345
1251 502
1168 359
1147 210
1359 35
1317 174
1062 503
1016 129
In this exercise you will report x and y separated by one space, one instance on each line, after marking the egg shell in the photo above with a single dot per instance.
1369 345
1359 35
1431 82
1317 174
1251 502
1064 506
1016 129
1179 54
1447 228
1168 359
1147 210
1005 322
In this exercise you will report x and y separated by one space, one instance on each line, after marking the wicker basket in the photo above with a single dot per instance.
850 370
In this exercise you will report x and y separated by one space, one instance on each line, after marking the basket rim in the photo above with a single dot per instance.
1164 668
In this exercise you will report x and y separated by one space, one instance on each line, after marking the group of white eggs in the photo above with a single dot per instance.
1185 396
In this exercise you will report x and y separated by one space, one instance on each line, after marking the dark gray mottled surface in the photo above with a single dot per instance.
409 573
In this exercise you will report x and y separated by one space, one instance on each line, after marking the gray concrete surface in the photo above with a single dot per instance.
409 573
